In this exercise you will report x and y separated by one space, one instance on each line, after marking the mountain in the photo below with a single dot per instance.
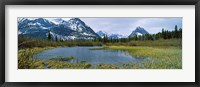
58 28
40 23
102 34
34 27
116 36
138 31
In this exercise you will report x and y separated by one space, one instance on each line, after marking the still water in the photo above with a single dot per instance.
85 54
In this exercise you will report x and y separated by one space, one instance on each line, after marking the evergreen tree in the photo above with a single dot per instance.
49 35
163 33
56 38
176 31
136 37
105 38
180 33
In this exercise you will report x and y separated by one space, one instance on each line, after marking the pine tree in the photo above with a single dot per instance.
180 33
136 37
163 33
49 35
104 38
56 38
176 31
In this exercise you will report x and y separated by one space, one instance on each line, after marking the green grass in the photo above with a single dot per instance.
60 65
26 60
62 59
160 57
106 66
156 43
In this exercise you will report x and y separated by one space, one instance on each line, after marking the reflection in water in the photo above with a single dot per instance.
84 54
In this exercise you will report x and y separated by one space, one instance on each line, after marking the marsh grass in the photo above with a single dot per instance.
26 60
157 43
160 57
62 58
61 64
106 66
152 43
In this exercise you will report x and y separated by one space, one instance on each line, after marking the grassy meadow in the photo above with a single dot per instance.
162 54
161 57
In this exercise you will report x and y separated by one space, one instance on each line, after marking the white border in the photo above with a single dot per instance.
186 74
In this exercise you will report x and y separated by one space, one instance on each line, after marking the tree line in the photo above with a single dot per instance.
165 34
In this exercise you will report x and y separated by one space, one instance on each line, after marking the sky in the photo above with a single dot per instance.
125 26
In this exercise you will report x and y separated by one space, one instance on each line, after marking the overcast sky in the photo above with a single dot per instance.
125 26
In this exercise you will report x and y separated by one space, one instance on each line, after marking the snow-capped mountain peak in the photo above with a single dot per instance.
138 31
77 24
34 23
65 30
57 20
102 34
76 21
116 36
21 19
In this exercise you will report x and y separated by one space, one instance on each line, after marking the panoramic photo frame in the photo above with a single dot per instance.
85 40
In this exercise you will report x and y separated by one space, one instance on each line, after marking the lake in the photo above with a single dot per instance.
85 54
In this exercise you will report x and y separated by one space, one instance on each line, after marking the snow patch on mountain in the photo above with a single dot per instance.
138 32
56 20
59 28
102 34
